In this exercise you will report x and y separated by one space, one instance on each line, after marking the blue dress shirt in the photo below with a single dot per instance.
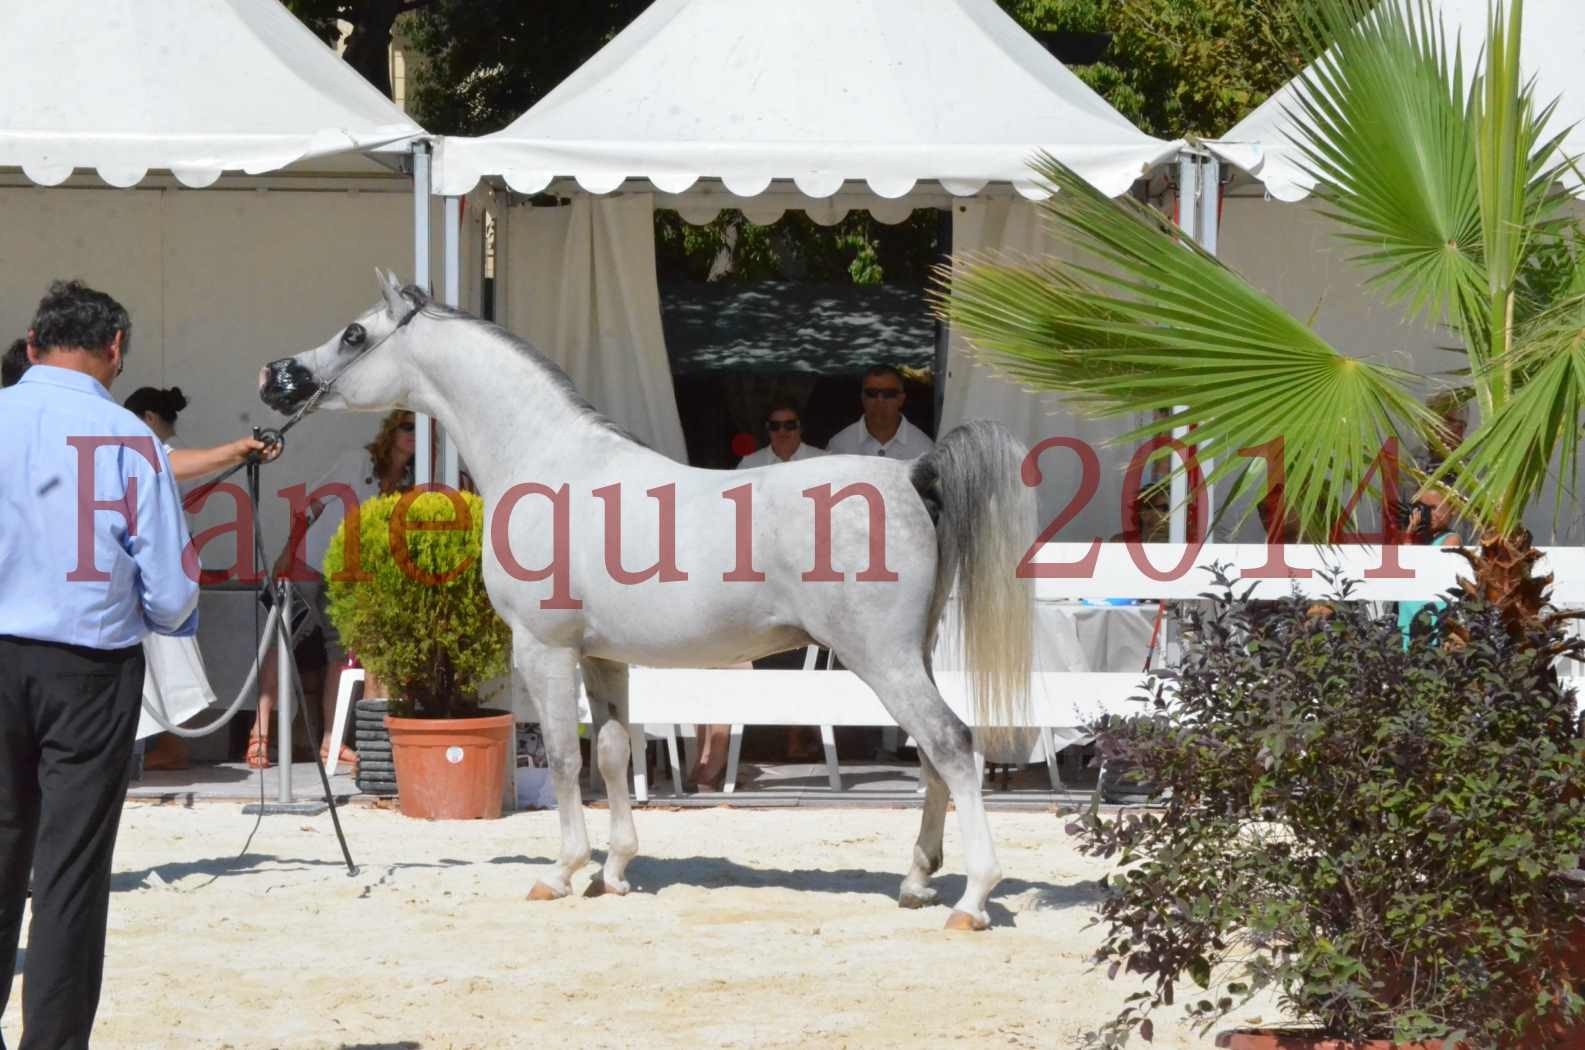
137 582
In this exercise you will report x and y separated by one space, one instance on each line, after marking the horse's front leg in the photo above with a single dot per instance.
548 675
606 683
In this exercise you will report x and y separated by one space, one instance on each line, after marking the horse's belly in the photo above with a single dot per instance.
683 625
717 651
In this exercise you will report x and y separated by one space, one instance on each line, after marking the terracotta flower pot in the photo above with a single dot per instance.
1307 1039
451 768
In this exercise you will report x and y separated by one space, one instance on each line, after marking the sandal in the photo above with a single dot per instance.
348 758
258 756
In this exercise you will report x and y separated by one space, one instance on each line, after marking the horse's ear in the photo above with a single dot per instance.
391 292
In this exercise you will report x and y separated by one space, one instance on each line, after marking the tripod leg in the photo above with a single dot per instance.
286 695
296 691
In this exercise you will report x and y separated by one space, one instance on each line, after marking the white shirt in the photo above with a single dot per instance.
355 469
908 443
766 456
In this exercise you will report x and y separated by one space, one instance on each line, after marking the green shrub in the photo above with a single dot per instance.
412 604
1388 838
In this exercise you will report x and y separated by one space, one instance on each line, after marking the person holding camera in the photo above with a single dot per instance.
1430 523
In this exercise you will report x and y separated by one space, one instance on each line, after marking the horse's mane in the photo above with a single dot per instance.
551 371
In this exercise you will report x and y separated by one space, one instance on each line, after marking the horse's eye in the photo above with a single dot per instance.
354 335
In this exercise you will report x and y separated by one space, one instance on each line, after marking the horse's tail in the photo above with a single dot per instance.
985 515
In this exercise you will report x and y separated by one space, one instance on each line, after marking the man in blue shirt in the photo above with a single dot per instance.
91 560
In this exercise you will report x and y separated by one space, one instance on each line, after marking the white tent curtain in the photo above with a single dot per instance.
580 285
974 391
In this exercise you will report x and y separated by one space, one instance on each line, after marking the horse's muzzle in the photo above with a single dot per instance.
285 384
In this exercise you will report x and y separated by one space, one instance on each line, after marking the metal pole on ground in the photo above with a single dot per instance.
284 696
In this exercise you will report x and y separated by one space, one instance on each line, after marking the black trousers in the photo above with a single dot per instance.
67 718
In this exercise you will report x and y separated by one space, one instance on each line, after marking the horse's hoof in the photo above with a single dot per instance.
598 887
925 898
962 920
542 892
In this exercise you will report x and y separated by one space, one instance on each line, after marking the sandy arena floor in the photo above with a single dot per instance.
750 928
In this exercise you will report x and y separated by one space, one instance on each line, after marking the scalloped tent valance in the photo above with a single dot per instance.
820 94
1552 40
195 87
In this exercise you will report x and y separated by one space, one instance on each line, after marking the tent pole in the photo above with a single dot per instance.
423 472
451 470
1209 236
1188 215
943 330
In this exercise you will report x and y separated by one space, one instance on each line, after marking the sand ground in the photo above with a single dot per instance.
749 928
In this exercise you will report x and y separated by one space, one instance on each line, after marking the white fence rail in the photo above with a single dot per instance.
663 698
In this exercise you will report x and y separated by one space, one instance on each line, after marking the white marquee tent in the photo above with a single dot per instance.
195 87
760 105
134 138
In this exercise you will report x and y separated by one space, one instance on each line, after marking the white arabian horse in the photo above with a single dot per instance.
737 577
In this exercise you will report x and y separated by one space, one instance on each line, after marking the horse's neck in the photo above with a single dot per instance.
507 416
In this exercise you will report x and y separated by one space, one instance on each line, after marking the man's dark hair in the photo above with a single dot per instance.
73 314
876 371
14 363
781 405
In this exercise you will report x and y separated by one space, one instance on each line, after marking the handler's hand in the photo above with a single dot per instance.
243 447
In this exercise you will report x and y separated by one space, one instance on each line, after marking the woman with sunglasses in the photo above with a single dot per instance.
882 430
784 428
383 466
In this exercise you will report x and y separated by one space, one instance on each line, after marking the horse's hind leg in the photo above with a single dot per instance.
548 676
944 741
916 889
607 682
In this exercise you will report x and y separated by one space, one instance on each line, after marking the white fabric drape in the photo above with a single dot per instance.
974 391
581 287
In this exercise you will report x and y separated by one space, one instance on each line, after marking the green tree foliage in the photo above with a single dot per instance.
369 42
488 61
1179 67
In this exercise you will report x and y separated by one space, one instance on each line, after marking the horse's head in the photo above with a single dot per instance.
360 368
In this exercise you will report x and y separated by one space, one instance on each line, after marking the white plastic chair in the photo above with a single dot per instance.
350 677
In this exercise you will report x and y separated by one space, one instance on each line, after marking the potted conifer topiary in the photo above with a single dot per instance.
408 597
1387 835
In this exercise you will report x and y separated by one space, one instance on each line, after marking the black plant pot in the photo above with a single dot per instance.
372 741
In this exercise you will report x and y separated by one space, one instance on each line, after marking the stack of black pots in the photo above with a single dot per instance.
376 772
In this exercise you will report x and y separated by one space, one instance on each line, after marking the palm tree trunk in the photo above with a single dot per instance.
1503 565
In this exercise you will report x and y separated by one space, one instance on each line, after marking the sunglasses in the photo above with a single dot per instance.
774 425
882 393
407 428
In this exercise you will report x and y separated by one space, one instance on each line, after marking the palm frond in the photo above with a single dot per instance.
1506 464
1149 321
1382 119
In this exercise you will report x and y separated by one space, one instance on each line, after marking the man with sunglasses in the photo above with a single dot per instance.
785 430
883 430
